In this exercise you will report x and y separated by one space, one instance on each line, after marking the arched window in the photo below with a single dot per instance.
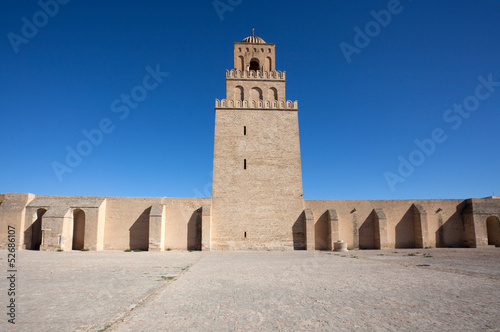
241 63
269 64
254 64
273 94
239 93
256 94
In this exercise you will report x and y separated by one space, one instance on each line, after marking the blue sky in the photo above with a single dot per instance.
358 120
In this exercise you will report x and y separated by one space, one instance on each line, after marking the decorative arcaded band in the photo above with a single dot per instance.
257 104
252 74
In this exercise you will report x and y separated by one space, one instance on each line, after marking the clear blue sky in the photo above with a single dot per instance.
356 119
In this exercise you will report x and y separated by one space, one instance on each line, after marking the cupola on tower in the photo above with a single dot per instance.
257 180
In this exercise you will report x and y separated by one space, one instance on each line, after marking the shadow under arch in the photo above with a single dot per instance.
367 232
299 232
405 230
33 234
139 232
254 64
450 231
194 231
78 229
493 231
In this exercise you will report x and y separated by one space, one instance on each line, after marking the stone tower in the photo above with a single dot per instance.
257 181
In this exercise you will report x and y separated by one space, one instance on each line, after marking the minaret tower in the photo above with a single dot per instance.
257 181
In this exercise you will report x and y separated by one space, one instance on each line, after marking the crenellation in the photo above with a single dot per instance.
252 75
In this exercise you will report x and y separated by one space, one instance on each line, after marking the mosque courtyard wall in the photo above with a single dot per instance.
140 223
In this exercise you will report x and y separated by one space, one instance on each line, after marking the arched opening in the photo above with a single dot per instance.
254 64
139 232
256 94
242 63
405 230
78 229
239 93
322 234
269 64
367 233
36 230
299 233
273 94
194 231
493 230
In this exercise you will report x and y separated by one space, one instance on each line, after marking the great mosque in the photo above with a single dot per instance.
257 201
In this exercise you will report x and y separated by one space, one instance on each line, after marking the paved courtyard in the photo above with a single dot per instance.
371 290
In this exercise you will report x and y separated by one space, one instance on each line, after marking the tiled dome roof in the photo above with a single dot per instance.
253 40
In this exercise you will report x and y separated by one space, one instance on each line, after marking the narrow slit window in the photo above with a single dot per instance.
245 235
244 164
244 130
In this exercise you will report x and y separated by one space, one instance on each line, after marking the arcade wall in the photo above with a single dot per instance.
156 224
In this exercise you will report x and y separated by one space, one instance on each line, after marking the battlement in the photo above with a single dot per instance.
257 104
252 74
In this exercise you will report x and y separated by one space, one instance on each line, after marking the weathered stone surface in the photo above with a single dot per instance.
454 290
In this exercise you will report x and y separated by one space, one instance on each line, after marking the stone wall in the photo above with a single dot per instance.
404 223
46 222
257 206
128 222
118 223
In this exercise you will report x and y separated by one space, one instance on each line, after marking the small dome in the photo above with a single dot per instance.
253 40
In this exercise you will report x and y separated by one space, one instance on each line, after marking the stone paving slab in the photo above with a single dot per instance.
368 290
303 291
80 291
